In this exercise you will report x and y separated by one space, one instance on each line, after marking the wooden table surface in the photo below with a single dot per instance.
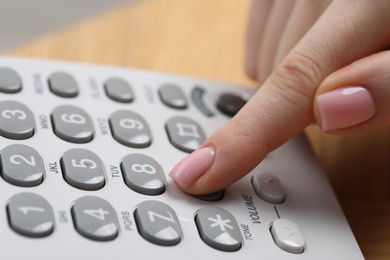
206 39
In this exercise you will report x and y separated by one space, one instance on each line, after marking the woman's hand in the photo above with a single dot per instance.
317 61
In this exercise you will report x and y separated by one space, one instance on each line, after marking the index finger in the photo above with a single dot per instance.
283 106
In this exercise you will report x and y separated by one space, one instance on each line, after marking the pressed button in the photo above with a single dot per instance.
268 187
83 169
143 174
173 96
16 120
288 236
10 81
30 215
130 129
119 90
158 223
95 218
63 85
215 196
218 228
72 124
184 133
22 165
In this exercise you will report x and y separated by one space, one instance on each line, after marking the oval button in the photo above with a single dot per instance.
158 223
22 165
119 90
173 96
16 120
130 129
63 84
10 81
268 187
30 215
95 218
83 169
184 133
218 228
288 236
230 104
143 174
72 124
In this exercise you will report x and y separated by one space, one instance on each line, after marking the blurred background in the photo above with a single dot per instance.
23 20
203 38
200 38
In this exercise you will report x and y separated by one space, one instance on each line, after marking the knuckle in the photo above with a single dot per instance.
298 72
293 86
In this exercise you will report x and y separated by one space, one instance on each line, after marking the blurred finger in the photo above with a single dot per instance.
273 31
258 16
302 17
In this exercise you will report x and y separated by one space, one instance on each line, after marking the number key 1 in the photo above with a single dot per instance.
30 215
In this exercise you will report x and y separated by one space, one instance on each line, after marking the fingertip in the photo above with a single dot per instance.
193 167
226 156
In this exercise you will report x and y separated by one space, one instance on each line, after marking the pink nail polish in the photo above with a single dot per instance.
193 166
345 107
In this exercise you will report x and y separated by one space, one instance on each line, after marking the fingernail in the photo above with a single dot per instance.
193 166
345 107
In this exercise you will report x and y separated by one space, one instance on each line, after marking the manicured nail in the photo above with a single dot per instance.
345 107
193 166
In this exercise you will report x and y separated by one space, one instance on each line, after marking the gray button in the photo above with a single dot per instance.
95 218
218 228
158 223
10 81
143 174
197 96
173 96
230 104
16 120
184 133
63 85
22 165
119 90
130 129
288 236
30 215
83 169
72 124
268 187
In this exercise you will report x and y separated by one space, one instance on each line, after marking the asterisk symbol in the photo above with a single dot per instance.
222 223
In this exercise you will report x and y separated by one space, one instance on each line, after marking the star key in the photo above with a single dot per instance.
218 228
